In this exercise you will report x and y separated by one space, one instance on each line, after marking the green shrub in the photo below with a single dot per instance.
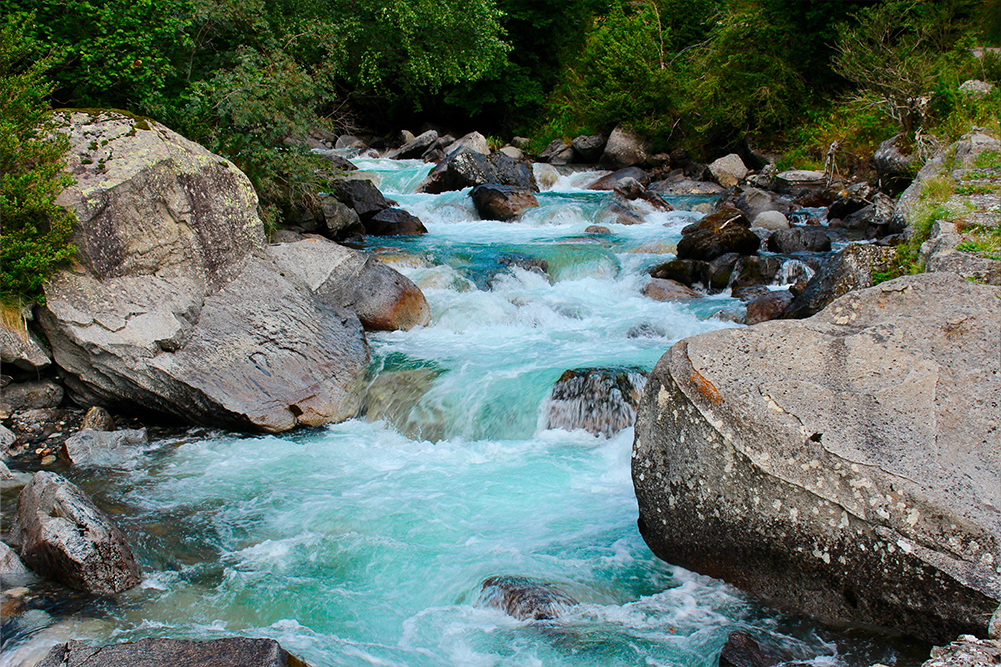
36 232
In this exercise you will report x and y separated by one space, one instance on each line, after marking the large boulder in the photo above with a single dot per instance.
227 652
799 182
895 167
62 535
845 466
361 195
800 239
557 152
728 170
726 231
502 202
624 149
381 297
173 306
850 269
588 148
394 222
415 147
465 168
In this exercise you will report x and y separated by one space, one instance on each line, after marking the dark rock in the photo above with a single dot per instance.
685 271
228 652
32 395
698 172
630 188
360 195
655 200
747 293
588 149
394 222
854 198
338 218
645 330
525 599
895 168
624 149
850 269
523 261
755 270
502 202
660 289
465 168
817 464
98 419
598 400
62 535
612 181
741 650
725 231
12 570
718 273
557 152
89 445
414 148
8 442
799 239
818 199
770 306
338 162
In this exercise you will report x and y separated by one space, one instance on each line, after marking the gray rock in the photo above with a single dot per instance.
466 168
939 253
381 297
513 153
845 466
726 231
624 149
98 419
88 445
62 535
770 220
12 570
34 395
228 652
967 651
502 202
23 349
474 141
994 628
414 147
598 400
525 599
588 148
728 170
685 186
338 218
798 182
850 269
8 440
350 141
613 180
754 201
799 239
661 289
557 152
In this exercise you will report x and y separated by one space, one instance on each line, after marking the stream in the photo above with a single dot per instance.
366 542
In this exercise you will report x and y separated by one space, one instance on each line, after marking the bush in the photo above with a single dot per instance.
36 232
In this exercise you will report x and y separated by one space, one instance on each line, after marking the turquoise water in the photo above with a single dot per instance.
365 543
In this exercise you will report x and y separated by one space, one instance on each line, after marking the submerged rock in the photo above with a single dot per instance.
228 652
844 467
62 535
524 598
624 149
598 400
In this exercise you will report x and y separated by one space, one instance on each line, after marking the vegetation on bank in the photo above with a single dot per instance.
249 79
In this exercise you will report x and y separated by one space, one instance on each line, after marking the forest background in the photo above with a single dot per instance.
243 77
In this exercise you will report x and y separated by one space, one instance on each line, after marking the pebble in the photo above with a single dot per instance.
48 460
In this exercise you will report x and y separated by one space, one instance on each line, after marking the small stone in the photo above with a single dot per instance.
598 229
98 419
48 460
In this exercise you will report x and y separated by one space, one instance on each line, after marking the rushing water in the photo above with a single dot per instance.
366 543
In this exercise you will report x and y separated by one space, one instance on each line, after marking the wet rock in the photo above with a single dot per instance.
613 180
755 270
381 297
23 350
62 535
588 149
728 170
850 269
502 202
624 149
228 652
799 239
89 445
798 182
394 222
598 229
841 487
685 271
770 306
32 395
12 570
717 274
393 395
660 289
741 650
645 330
98 419
465 168
525 599
474 141
723 232
557 152
523 261
598 400
967 651
414 147
771 220
360 195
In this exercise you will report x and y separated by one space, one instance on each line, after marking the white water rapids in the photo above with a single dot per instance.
365 543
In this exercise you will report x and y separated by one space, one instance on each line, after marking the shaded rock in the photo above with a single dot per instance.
338 218
771 220
588 148
895 168
850 269
798 182
474 141
89 445
741 650
685 186
502 202
8 442
521 142
748 293
12 570
660 289
23 350
755 270
718 273
464 169
349 141
853 199
725 231
381 297
770 306
338 162
62 535
624 149
414 147
98 419
799 239
629 188
598 400
557 152
728 170
612 181
32 395
361 195
685 271
755 201
967 651
394 222
843 486
228 652
525 599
